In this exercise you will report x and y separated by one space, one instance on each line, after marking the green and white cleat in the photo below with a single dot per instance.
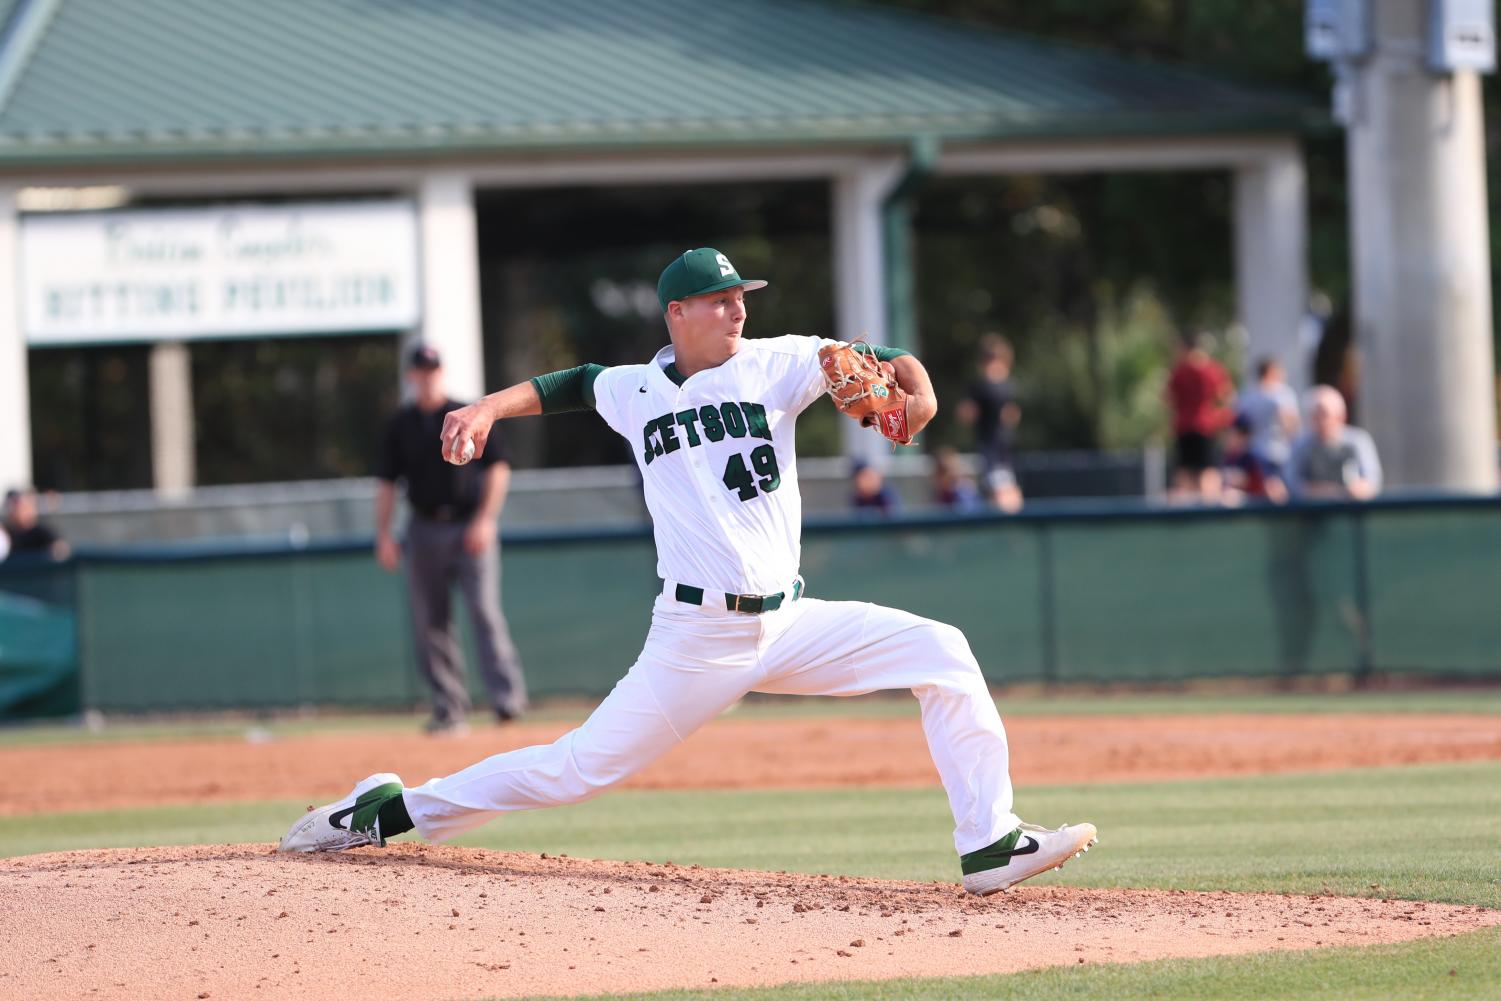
1022 854
349 823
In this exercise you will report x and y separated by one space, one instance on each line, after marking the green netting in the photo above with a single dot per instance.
1148 596
979 576
243 631
1167 599
578 610
1435 589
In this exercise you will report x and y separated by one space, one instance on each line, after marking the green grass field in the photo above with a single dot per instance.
881 706
1424 832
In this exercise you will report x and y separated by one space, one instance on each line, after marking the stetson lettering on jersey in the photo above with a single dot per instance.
660 435
717 454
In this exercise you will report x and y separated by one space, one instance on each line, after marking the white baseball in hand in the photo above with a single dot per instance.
463 452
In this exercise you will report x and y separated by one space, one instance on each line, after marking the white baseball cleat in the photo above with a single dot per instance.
1022 854
349 823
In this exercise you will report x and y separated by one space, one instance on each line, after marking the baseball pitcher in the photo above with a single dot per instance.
712 420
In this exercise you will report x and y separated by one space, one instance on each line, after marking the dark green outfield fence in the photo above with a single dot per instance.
1101 594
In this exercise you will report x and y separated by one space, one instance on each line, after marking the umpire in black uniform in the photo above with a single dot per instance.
451 538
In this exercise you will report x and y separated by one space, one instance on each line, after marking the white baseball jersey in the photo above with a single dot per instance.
718 460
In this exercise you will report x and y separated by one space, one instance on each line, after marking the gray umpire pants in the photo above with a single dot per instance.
436 560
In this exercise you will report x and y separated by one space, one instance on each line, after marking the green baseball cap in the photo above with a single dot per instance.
699 272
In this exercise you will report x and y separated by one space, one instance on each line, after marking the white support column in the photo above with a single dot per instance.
1271 260
1420 248
450 280
173 460
860 277
15 399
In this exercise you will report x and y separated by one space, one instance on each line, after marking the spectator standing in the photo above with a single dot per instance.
952 489
1270 408
995 412
451 538
869 491
1200 394
1333 460
29 536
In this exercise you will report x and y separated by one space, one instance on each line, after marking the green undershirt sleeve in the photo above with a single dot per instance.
882 354
569 389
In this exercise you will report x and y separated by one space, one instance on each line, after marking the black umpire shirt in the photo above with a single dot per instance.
36 539
412 452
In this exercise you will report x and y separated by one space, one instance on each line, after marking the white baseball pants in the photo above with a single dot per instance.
698 660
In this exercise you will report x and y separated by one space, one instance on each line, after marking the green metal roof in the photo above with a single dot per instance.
118 80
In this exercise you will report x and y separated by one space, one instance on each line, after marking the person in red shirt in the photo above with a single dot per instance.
1201 395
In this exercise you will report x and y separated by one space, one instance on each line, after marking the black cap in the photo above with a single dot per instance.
424 356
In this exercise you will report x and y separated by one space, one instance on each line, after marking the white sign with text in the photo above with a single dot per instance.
187 274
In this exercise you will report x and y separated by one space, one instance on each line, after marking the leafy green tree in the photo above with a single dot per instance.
1093 277
1162 236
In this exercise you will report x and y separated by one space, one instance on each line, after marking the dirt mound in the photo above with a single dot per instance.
415 920
745 753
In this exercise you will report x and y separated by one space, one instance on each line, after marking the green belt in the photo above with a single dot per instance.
751 604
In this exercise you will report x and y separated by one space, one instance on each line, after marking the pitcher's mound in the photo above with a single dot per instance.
419 921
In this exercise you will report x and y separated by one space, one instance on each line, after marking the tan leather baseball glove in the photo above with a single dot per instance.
865 389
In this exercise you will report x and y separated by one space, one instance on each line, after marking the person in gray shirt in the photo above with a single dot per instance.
1270 409
1332 461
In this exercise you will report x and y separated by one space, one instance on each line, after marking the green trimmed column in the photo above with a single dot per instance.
873 265
859 250
861 301
897 239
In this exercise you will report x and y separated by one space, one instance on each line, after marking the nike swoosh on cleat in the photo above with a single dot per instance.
334 819
1028 848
